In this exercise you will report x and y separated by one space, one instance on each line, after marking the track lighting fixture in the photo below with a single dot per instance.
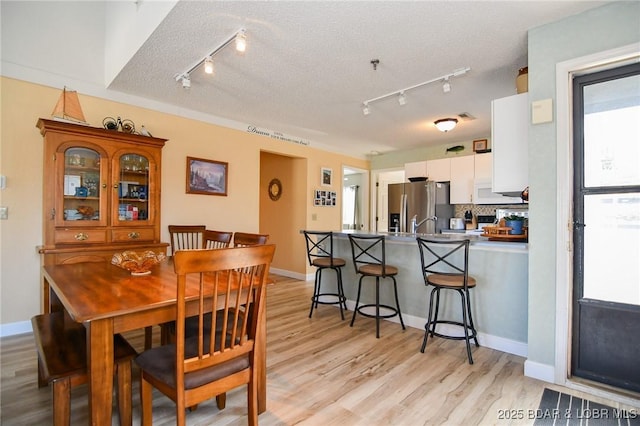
365 109
241 45
402 100
208 65
446 124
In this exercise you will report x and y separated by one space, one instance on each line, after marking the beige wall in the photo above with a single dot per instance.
21 162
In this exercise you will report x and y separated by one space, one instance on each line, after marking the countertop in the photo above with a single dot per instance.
477 241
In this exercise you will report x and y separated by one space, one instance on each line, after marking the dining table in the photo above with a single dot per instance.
107 300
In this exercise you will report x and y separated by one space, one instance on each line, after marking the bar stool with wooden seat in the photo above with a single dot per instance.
445 266
369 260
320 255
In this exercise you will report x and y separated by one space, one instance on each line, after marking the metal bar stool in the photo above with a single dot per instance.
445 266
369 260
320 255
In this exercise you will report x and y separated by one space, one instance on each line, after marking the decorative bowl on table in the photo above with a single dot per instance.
137 263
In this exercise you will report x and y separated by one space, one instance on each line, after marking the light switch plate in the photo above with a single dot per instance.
542 111
4 213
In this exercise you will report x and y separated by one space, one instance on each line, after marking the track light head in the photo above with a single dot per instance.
241 41
446 86
365 109
402 98
186 81
208 65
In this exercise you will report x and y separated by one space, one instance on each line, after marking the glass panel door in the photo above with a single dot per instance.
606 296
133 188
81 192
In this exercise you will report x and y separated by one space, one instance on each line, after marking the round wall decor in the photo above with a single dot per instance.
275 189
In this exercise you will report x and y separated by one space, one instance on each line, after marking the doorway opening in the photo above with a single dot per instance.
355 190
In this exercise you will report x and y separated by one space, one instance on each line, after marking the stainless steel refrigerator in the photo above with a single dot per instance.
419 207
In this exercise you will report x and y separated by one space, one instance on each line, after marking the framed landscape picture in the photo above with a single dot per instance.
206 177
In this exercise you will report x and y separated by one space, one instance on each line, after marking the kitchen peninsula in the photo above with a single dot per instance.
499 301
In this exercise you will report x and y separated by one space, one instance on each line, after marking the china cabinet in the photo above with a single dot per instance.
101 193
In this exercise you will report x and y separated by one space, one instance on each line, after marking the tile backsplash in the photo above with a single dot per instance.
482 209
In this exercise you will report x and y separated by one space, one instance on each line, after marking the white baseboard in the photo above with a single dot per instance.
291 274
536 370
494 342
15 328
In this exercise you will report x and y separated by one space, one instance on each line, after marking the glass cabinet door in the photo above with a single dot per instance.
82 186
133 188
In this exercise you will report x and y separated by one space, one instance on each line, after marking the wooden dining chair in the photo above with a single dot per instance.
245 239
185 237
217 239
194 369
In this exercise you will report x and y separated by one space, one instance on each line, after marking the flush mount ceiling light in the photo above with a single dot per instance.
401 93
241 45
446 124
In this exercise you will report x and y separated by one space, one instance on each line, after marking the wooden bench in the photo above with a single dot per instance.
62 361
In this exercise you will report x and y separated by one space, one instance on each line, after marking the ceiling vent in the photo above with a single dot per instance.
465 116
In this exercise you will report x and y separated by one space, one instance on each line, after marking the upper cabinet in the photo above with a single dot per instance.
436 170
483 166
510 146
101 192
439 170
462 175
415 169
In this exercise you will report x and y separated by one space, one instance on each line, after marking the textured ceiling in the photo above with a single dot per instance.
307 67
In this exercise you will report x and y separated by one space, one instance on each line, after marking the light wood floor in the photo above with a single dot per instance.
322 372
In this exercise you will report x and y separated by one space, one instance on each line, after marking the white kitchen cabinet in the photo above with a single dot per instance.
439 170
415 169
510 142
462 175
482 191
483 166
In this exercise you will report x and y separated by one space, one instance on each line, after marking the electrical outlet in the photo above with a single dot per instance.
4 213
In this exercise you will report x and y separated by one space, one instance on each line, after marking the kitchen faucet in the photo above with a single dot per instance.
415 224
